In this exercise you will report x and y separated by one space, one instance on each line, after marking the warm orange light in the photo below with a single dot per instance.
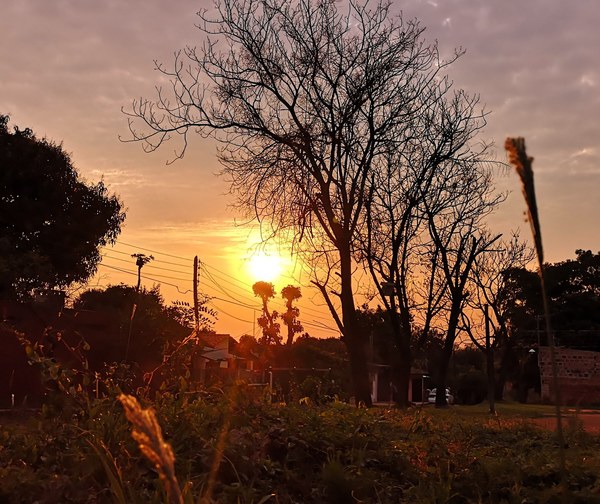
264 267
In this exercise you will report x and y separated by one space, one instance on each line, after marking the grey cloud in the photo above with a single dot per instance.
67 67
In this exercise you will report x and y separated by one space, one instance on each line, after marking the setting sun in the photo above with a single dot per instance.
264 267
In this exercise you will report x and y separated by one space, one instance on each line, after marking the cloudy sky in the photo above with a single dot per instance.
68 66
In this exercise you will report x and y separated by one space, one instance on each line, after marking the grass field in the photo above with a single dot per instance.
229 447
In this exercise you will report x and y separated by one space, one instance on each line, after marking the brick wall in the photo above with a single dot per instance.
578 375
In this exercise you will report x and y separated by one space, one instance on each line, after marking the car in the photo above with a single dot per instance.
433 393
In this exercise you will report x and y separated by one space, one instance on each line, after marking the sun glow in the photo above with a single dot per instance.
264 267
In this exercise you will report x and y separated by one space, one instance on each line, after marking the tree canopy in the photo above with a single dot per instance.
52 223
268 319
315 105
154 328
573 288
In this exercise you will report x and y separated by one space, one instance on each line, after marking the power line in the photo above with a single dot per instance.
147 266
250 307
112 249
246 285
229 314
310 324
169 277
249 301
146 278
211 277
320 325
155 251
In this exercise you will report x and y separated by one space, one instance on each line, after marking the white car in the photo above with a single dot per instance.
433 393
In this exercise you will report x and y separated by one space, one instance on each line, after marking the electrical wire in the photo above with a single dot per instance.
112 249
169 277
250 307
211 277
146 277
229 314
239 284
149 265
155 251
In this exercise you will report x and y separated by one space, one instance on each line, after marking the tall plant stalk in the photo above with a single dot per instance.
517 155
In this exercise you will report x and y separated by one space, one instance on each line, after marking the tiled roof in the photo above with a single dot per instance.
215 340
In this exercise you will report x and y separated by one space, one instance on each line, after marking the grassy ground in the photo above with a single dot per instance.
232 448
513 409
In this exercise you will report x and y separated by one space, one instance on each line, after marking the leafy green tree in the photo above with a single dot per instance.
51 222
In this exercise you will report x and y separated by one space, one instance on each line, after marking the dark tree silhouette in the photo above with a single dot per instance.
291 293
308 102
486 320
573 287
51 222
157 326
458 237
421 183
268 320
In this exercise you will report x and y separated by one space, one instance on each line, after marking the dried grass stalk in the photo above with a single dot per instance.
517 155
148 434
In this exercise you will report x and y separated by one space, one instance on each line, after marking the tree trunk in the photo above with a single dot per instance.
360 372
354 339
489 354
491 376
509 365
402 379
401 364
440 398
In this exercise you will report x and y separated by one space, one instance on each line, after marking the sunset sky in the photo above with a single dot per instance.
68 66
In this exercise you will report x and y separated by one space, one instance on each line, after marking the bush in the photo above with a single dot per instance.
231 446
471 387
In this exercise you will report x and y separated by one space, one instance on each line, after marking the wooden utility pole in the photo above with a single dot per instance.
489 353
196 303
140 261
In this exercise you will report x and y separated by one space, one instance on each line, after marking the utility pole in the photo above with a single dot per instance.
140 261
489 353
196 303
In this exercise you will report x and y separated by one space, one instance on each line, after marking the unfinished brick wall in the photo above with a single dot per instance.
578 375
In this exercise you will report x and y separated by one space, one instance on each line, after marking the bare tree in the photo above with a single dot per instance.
487 314
306 100
456 216
431 172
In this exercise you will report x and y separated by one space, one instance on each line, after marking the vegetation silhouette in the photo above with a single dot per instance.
52 223
310 102
268 319
291 293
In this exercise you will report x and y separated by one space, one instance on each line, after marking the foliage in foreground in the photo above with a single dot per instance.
230 447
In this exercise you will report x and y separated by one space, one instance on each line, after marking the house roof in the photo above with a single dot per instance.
215 340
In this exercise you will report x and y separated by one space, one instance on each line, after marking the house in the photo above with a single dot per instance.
217 360
380 376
